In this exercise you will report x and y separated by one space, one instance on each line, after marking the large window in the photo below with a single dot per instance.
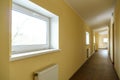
30 30
34 29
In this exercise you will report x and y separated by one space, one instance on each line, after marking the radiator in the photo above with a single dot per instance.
50 73
88 52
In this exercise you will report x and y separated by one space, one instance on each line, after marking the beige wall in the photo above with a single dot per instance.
96 40
101 44
117 37
111 39
72 44
91 41
4 39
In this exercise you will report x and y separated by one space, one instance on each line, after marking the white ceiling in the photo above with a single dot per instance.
96 13
102 30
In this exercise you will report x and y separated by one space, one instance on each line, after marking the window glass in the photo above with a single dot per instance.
87 38
30 30
27 30
34 30
105 40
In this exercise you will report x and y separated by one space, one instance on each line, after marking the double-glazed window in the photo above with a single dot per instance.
34 31
30 30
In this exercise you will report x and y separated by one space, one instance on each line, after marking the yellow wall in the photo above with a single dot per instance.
117 38
111 45
72 44
91 41
4 39
96 40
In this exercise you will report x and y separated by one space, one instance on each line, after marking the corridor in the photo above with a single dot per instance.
98 67
37 34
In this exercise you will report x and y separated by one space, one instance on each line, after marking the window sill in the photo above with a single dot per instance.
15 57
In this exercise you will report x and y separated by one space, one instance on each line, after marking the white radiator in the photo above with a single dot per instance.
50 73
88 52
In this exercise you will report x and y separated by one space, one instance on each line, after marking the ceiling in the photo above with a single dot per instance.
96 13
102 30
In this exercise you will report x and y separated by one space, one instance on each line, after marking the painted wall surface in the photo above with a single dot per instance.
102 44
111 39
4 39
96 40
91 41
117 38
72 45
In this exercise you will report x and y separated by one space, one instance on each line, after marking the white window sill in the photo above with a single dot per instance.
15 57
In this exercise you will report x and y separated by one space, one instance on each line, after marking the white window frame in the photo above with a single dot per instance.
28 48
53 31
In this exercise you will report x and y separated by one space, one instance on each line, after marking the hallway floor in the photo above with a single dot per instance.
98 67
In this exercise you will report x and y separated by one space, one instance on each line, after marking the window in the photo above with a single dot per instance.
94 39
105 40
30 32
87 38
33 28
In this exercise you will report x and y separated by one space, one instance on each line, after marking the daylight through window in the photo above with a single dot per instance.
30 30
87 38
